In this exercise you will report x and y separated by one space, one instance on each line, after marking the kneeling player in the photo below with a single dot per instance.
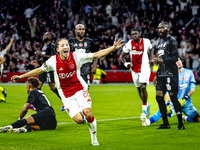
45 117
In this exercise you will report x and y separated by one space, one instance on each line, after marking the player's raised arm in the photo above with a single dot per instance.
31 73
9 45
104 52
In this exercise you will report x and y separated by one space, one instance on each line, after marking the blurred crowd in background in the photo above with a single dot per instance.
26 21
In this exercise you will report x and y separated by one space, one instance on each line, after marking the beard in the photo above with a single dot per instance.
163 35
80 36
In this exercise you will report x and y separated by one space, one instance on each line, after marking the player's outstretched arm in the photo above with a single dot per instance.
31 73
9 45
104 52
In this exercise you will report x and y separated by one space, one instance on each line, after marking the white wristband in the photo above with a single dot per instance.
126 64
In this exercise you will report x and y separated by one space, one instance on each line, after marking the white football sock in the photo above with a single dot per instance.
93 128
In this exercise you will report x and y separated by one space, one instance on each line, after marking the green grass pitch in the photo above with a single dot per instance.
117 108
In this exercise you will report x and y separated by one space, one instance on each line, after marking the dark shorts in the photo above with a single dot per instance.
46 76
167 84
86 78
45 119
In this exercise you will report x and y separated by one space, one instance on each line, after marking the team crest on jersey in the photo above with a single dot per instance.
182 78
85 44
71 66
186 79
68 110
140 47
161 45
75 44
80 44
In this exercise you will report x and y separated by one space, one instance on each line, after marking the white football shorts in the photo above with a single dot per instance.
141 77
76 103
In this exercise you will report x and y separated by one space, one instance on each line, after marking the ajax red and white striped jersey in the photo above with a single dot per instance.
67 72
138 54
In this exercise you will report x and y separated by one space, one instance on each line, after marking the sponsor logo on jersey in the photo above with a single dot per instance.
85 44
80 44
182 78
75 44
134 52
161 45
80 50
161 52
183 86
134 47
60 69
66 75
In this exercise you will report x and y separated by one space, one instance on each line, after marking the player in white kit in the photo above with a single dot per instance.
138 49
72 89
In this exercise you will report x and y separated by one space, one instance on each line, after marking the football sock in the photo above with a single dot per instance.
56 91
177 108
28 128
155 117
19 123
92 125
190 120
144 107
163 110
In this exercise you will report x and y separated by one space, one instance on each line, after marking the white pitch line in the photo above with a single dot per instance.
101 120
105 120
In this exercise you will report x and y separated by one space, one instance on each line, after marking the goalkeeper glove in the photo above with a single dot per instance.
182 101
169 107
186 97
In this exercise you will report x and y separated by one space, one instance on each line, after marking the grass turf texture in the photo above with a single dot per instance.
117 108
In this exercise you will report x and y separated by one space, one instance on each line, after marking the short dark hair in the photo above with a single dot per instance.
48 36
57 43
135 29
33 81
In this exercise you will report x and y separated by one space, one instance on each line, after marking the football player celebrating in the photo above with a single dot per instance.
71 86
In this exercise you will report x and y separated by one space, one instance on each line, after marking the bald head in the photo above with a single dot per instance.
80 31
163 29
